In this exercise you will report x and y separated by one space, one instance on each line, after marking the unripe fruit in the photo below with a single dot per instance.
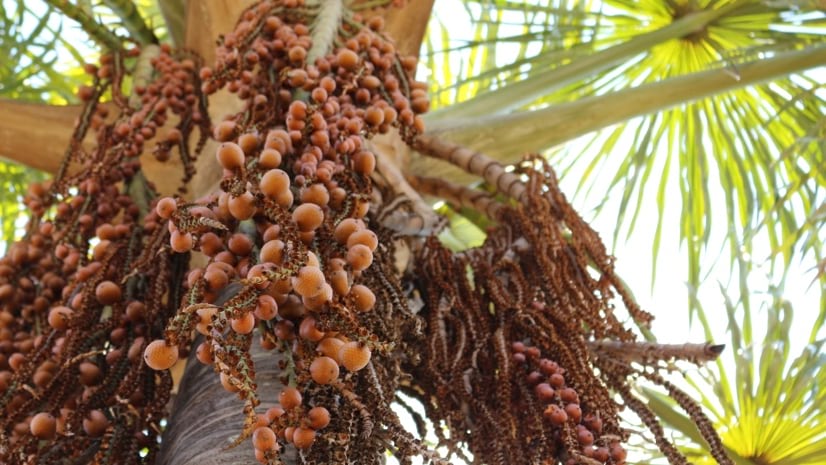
354 356
159 355
324 370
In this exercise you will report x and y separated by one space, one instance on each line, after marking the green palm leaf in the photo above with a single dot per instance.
757 146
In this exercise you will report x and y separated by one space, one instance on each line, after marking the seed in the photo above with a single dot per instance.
263 438
166 207
95 423
107 293
360 257
309 331
243 324
347 59
274 183
303 437
556 380
308 217
230 155
366 237
59 317
308 282
324 370
272 252
290 398
43 425
347 227
159 355
555 415
354 356
363 297
330 347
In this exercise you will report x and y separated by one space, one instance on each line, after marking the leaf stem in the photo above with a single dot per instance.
96 31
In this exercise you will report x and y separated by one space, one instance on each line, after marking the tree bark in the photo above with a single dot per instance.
206 418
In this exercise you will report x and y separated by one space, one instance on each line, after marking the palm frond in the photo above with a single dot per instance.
758 143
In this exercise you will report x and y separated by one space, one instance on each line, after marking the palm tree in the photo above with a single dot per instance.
708 96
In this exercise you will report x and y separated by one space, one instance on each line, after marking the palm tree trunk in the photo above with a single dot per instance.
206 418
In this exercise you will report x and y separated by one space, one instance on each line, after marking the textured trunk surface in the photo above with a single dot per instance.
206 418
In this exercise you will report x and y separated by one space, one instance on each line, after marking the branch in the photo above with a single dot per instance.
457 195
174 15
563 122
96 31
648 352
531 131
472 162
133 21
325 28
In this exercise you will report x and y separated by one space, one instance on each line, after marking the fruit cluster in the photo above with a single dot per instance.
88 286
569 419
290 245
